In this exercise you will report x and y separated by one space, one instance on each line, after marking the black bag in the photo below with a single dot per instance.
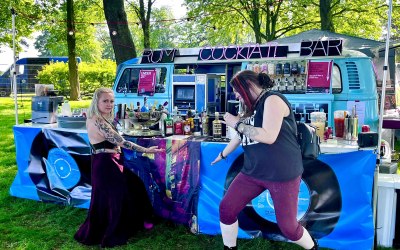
308 140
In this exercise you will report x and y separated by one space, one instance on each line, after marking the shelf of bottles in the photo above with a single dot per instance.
289 77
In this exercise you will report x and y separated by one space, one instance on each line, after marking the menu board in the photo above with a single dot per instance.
319 76
147 82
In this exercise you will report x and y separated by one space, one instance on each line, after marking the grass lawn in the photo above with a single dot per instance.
28 224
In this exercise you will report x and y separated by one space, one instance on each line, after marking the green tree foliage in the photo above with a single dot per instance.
163 29
27 17
272 19
143 11
268 20
88 20
363 18
91 75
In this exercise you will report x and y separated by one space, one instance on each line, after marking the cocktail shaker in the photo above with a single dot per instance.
351 128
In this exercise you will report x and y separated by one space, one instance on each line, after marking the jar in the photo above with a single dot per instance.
318 120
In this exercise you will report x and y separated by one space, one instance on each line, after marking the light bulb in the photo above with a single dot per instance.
114 33
70 33
271 7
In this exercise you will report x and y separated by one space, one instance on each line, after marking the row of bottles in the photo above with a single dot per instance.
174 123
146 107
289 84
192 124
279 68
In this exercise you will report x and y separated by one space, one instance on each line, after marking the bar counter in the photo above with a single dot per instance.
335 198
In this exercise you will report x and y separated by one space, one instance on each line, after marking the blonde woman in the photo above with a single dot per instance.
119 204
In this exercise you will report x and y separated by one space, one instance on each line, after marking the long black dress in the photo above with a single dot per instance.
119 203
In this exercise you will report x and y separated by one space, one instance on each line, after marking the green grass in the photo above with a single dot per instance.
28 224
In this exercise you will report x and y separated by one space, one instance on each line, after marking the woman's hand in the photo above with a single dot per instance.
216 159
230 119
154 149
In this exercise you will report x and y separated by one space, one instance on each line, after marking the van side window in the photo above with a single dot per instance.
129 80
336 80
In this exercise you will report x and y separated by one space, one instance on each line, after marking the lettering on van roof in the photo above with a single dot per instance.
245 52
328 47
159 56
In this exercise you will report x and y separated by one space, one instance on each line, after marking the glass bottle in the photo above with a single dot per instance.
217 127
196 125
178 126
168 126
145 107
204 124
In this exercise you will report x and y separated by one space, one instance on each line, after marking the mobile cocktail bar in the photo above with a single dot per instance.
314 76
335 198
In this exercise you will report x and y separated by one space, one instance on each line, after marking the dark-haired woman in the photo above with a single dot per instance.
119 204
272 159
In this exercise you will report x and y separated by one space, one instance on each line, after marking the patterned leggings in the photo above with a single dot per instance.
284 195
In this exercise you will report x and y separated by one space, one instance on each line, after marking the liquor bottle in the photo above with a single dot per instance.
196 123
286 69
138 107
154 106
178 126
164 106
168 126
186 127
217 127
204 124
145 107
264 68
286 84
189 117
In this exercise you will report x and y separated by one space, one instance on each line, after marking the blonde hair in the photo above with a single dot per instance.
94 107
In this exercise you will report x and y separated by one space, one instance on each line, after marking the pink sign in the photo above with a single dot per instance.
319 76
147 82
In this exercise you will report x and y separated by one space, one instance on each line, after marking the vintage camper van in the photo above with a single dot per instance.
313 75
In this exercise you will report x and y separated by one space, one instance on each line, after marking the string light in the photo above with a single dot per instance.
271 7
71 33
114 33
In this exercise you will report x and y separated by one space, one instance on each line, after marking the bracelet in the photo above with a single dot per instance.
237 126
222 156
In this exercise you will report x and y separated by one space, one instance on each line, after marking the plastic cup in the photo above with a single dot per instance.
338 117
318 120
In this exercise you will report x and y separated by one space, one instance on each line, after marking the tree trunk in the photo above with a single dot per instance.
144 17
124 48
72 63
325 13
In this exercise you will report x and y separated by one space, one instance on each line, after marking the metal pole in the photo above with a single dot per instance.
14 72
382 106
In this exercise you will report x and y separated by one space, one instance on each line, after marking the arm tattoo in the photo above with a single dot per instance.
112 136
133 146
249 131
109 133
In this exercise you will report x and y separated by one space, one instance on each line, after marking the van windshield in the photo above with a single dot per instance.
128 82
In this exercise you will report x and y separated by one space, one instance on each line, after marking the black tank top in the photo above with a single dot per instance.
280 161
104 145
